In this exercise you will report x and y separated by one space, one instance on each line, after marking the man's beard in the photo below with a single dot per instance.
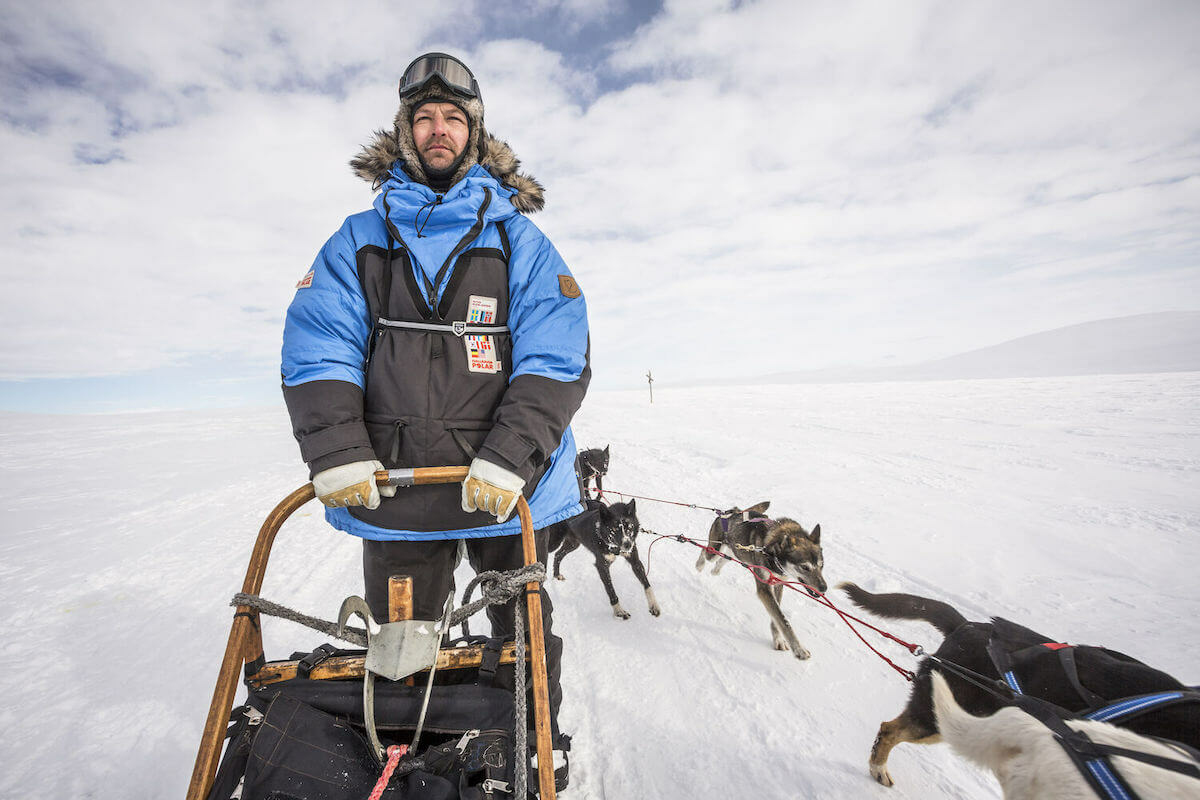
436 175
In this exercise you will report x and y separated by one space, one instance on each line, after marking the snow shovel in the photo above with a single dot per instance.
245 637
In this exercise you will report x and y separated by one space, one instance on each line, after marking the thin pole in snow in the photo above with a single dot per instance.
650 381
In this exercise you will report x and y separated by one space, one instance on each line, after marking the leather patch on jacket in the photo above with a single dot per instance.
568 286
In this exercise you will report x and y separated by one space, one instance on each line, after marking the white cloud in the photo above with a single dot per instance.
846 182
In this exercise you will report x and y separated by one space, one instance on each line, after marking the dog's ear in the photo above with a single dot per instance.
606 450
759 508
632 505
815 536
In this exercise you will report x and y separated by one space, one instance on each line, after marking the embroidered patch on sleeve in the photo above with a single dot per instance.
568 287
306 281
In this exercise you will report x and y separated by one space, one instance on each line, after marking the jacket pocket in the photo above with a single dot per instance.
387 439
467 435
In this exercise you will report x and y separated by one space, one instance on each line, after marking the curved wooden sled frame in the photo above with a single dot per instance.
245 638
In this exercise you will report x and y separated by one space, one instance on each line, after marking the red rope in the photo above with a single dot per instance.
394 753
772 579
769 578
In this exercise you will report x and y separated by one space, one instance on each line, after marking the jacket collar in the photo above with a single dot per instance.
385 156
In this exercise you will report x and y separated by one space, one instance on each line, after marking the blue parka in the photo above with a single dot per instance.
374 365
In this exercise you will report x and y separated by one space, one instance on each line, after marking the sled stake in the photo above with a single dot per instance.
400 591
537 647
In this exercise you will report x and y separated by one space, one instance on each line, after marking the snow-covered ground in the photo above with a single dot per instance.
1069 504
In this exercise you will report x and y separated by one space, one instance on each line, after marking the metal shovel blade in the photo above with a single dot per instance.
400 649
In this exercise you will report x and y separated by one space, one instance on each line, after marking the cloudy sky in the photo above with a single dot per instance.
740 187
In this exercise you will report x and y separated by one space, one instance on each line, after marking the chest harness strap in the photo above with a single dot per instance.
457 328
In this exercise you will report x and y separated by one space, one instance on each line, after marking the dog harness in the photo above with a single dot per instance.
742 516
1095 707
1093 759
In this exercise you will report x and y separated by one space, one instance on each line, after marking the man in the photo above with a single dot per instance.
440 328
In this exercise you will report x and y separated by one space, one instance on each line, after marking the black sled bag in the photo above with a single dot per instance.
305 739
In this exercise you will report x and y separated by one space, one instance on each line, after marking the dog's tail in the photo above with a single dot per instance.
942 616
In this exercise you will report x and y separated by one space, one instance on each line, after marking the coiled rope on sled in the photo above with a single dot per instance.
497 588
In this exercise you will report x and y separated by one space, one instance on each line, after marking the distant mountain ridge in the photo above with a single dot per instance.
1167 341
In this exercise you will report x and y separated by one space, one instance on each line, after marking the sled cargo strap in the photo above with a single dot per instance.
304 666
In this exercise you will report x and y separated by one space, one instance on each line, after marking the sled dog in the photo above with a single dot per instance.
1105 675
1031 764
606 531
592 465
779 545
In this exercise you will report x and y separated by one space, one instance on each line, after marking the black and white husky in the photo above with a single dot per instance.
1107 676
607 531
592 465
1031 763
781 546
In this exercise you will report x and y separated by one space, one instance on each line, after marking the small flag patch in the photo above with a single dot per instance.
481 310
306 281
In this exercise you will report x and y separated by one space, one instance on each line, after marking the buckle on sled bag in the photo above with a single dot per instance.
305 666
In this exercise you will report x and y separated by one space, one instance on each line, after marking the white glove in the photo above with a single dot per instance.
351 484
490 488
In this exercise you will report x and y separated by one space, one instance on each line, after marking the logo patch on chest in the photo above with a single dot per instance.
481 354
568 287
306 281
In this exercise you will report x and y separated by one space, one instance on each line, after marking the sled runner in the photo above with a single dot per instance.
319 725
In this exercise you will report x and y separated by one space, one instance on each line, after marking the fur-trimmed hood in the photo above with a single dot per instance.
377 157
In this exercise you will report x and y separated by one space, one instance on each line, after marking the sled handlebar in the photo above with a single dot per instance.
420 476
245 637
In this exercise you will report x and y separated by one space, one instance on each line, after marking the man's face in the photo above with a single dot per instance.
440 132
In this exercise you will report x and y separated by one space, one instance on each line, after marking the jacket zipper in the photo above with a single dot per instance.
476 229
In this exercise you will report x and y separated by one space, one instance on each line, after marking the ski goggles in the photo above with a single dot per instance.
452 72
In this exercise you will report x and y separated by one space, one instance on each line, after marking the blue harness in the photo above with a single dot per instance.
1091 758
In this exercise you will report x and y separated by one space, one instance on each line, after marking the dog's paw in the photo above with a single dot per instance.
800 653
559 578
652 602
780 643
881 776
619 612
